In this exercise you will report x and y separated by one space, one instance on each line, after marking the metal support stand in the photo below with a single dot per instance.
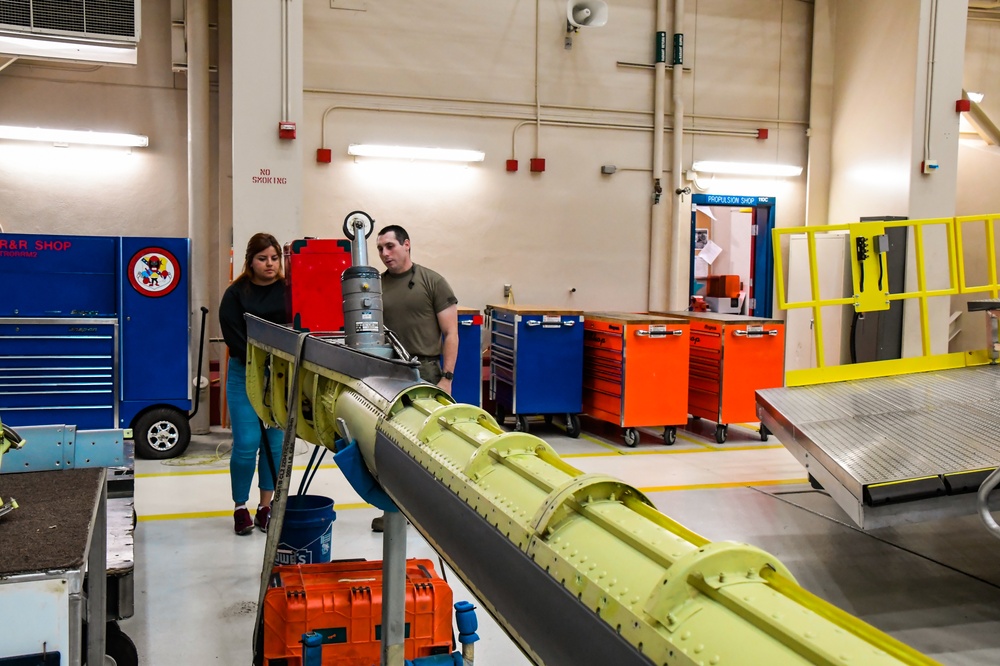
393 588
97 564
988 486
993 333
277 519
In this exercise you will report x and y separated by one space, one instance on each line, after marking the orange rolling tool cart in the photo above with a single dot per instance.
635 371
732 356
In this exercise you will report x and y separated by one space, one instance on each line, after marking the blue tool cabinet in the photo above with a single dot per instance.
94 332
467 387
536 364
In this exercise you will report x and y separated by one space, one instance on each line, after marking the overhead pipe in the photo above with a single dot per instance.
657 289
509 116
678 251
525 120
199 200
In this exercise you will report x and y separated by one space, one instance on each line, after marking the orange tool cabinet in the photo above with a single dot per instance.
732 356
635 371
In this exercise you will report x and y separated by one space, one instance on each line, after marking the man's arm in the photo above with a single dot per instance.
448 322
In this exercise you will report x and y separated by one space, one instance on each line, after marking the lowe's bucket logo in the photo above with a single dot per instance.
154 272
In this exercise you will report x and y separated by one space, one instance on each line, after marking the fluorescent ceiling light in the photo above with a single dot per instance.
416 153
747 168
73 136
52 49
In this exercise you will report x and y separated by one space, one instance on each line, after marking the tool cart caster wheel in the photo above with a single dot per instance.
161 433
119 650
500 413
721 432
764 432
573 425
670 435
521 423
631 437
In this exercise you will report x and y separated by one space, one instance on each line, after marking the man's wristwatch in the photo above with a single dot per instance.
449 375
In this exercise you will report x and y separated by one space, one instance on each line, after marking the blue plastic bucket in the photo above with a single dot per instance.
307 530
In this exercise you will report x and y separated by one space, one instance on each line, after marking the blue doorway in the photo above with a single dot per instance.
761 259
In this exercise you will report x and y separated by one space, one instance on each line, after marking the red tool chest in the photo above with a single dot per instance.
342 601
313 267
635 371
732 356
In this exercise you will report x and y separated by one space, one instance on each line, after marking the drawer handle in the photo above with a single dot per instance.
659 334
465 322
536 322
755 333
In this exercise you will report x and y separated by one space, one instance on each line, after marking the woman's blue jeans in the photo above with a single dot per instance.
247 438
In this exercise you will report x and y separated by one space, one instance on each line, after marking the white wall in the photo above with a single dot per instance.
570 226
748 66
75 191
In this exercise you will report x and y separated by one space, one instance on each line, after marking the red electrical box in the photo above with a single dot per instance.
342 601
313 295
286 130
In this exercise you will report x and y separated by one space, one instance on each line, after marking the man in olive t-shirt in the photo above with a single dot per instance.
419 307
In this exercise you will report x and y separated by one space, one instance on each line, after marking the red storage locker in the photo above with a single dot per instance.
313 267
342 601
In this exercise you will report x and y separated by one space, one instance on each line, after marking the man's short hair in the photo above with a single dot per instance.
401 235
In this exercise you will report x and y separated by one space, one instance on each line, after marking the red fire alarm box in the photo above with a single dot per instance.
313 295
286 130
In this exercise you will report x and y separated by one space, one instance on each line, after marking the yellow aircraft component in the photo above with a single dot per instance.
8 440
578 568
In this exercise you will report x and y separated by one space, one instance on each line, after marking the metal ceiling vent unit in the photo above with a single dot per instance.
92 30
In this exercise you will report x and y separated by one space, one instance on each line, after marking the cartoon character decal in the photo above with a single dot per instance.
154 272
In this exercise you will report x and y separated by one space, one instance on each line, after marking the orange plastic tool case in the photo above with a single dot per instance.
732 356
635 371
342 601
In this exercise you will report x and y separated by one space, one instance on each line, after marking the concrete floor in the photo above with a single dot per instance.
935 585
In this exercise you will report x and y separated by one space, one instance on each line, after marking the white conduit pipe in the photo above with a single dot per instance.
8 63
199 197
561 107
538 104
678 254
657 290
760 122
527 120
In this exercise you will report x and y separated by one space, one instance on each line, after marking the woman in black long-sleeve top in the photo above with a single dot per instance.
260 291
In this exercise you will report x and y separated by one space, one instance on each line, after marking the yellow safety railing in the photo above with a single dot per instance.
989 221
881 299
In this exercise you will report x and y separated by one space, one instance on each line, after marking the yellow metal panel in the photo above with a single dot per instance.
869 277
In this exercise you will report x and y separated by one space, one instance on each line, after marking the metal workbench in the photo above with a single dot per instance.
47 547
897 449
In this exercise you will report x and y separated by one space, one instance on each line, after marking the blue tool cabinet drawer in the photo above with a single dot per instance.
536 361
58 371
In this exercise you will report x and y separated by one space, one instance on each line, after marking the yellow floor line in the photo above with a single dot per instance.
719 486
641 451
363 505
228 514
224 470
